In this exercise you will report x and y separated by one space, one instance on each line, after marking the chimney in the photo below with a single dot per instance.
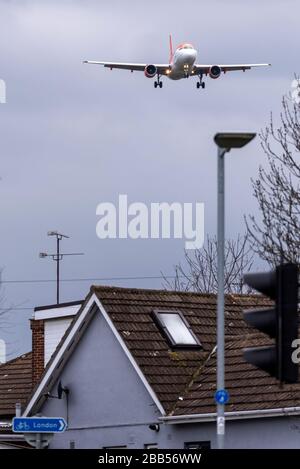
48 325
38 349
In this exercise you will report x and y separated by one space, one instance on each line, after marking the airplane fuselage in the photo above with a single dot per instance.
183 62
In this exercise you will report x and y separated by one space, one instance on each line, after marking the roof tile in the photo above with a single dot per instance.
15 383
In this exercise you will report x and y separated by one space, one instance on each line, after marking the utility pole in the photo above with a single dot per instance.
58 257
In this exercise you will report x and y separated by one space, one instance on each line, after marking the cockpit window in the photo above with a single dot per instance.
185 46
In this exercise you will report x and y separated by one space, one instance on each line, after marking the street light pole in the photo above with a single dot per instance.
220 299
224 141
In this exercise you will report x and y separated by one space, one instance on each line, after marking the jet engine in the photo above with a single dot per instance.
214 71
150 71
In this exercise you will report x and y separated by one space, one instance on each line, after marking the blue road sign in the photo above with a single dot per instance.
222 396
39 425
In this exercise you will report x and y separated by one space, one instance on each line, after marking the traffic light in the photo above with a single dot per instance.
279 322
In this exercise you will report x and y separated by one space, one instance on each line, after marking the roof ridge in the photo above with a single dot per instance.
148 290
168 292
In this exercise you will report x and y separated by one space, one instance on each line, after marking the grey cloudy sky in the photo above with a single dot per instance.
74 135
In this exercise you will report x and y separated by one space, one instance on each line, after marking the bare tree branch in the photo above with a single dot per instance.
199 272
276 237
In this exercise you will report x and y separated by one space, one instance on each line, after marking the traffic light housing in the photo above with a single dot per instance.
279 322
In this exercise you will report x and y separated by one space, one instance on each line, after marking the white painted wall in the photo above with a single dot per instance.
59 312
2 351
56 321
54 330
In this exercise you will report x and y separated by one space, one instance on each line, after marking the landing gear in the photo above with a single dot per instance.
200 83
158 82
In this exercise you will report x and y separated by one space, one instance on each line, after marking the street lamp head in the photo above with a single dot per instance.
43 254
233 140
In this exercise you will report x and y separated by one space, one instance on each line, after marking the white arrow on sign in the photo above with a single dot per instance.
61 424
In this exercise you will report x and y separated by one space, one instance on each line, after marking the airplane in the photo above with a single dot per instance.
181 65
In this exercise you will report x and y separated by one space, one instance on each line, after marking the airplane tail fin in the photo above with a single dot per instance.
171 49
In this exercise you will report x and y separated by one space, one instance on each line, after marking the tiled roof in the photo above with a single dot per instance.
191 374
15 384
249 388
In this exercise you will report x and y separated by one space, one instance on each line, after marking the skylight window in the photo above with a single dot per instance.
176 328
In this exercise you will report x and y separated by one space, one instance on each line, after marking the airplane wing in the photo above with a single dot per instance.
161 68
199 68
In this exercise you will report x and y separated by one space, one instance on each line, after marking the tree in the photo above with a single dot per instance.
276 237
199 274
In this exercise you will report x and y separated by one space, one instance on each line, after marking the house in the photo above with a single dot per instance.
137 369
18 376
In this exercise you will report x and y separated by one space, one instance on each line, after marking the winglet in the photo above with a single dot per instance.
171 49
